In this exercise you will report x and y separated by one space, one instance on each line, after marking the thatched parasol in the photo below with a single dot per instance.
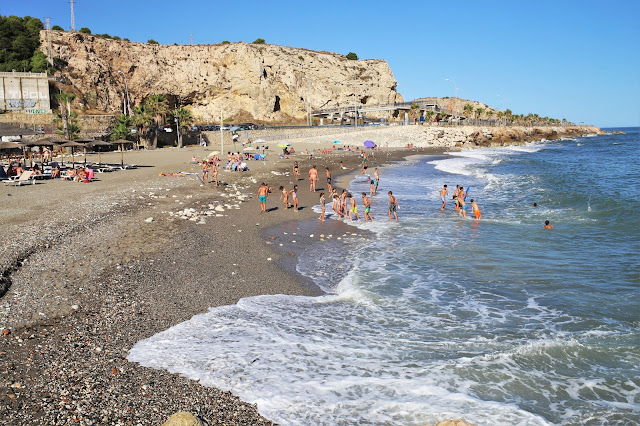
122 143
98 144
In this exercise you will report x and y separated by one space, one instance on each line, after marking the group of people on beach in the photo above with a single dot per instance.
459 201
344 205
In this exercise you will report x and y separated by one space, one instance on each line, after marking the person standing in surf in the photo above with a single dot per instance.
443 193
367 207
475 209
322 206
328 179
296 170
353 208
393 206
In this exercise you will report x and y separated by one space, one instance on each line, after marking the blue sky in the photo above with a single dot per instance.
574 59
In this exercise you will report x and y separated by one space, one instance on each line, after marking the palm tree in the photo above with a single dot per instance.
122 128
413 112
64 102
142 120
157 107
429 115
488 113
508 115
72 129
479 112
468 110
500 116
185 120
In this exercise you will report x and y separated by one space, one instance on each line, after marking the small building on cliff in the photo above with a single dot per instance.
24 92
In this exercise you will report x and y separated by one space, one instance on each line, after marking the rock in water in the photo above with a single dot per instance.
183 419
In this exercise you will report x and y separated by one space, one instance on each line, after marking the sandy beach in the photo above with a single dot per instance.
93 268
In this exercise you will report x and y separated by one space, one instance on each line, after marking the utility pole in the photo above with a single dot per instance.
49 47
73 17
221 134
191 38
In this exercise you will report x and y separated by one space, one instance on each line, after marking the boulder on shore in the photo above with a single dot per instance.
183 419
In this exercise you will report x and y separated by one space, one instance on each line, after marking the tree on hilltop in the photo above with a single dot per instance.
152 41
85 30
19 41
259 41
57 28
352 56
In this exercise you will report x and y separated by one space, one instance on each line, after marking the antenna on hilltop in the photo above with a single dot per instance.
73 17
49 48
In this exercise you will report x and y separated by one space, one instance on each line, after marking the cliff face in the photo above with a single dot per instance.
250 82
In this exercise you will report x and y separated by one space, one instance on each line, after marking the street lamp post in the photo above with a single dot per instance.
178 130
126 91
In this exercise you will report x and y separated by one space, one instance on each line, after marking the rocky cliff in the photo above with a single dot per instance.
249 81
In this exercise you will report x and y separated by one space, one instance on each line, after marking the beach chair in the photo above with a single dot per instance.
24 178
3 174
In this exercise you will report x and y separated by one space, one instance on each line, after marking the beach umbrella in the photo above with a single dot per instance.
284 145
369 144
259 141
58 142
99 144
72 145
336 142
10 145
249 149
84 141
122 143
235 129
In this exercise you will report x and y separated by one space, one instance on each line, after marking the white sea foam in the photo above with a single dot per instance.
430 318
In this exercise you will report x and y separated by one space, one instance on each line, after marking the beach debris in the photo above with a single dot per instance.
6 332
149 220
311 236
114 370
268 258
75 307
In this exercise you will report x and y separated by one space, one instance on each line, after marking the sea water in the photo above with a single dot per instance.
498 321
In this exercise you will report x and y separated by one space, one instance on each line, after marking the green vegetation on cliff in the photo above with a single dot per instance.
19 43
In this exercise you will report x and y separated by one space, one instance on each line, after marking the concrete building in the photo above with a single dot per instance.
24 92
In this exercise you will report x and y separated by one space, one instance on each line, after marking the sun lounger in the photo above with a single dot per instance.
25 177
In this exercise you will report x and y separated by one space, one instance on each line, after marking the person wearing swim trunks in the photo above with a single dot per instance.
463 207
393 206
367 207
547 225
328 179
353 209
263 193
476 209
443 194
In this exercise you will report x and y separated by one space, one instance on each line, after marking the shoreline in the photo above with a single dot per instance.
86 293
72 319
